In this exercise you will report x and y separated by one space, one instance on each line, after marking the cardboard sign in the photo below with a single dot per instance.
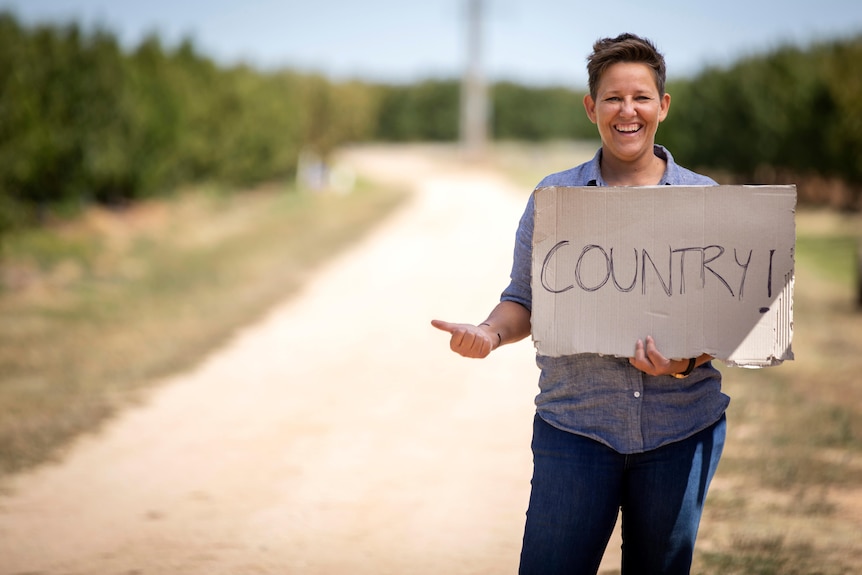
701 269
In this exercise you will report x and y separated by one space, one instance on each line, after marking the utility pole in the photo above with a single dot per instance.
474 94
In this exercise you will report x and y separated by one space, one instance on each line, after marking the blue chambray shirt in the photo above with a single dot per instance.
604 397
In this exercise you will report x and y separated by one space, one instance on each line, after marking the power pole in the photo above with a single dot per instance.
474 94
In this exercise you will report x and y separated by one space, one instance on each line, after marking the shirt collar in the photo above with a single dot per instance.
594 171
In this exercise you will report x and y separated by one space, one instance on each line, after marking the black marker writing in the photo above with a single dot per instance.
597 267
712 271
769 278
614 275
744 269
548 257
668 287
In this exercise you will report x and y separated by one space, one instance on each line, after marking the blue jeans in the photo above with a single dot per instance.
579 486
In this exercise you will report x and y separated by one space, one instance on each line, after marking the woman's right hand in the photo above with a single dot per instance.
469 340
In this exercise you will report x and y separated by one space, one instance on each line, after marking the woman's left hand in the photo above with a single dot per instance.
649 360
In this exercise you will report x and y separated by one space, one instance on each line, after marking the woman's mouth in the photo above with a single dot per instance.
628 128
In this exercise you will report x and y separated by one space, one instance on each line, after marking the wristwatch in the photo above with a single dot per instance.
687 371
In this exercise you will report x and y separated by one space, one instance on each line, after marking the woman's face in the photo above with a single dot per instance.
627 110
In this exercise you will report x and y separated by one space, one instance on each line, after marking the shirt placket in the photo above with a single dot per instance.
636 400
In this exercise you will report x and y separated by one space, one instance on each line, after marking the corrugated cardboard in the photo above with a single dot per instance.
701 269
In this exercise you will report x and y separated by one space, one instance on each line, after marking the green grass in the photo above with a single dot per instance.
96 310
831 257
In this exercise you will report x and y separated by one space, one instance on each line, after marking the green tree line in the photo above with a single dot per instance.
430 111
84 120
794 111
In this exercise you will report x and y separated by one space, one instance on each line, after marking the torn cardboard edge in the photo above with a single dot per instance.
702 269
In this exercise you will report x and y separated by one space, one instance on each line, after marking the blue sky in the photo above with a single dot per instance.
540 42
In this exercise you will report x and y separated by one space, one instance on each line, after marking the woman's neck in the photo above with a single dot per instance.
646 171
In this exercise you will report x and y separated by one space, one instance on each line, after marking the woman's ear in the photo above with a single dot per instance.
590 107
665 107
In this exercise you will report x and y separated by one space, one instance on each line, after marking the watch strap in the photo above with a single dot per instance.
692 362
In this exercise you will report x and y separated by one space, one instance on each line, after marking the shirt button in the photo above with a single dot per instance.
637 394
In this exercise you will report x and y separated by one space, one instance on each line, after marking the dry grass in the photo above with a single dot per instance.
787 498
119 299
95 310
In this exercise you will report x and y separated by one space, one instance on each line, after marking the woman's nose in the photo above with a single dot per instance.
627 108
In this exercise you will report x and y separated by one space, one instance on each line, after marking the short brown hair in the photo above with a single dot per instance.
624 48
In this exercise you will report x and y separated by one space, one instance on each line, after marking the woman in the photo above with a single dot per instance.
641 435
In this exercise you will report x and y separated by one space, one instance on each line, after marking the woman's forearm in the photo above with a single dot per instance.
510 320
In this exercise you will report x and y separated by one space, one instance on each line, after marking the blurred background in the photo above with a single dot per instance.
170 170
113 101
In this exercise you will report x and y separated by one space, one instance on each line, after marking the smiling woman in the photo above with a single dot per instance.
627 102
611 433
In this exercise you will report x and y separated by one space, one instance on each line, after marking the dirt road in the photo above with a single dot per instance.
338 435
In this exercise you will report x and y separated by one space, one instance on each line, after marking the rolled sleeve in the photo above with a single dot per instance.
519 289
